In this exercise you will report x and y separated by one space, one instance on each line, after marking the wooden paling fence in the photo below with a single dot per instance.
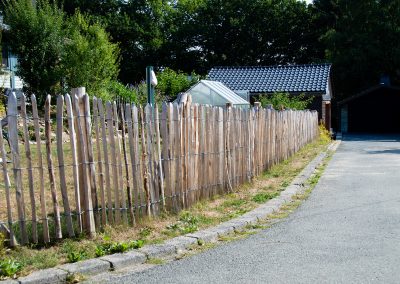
87 163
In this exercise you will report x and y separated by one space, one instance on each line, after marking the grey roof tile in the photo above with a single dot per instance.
289 78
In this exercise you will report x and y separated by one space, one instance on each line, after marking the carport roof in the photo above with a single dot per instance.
310 78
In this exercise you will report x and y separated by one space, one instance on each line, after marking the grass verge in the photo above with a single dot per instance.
202 215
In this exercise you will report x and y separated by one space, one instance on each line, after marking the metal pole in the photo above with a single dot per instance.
150 87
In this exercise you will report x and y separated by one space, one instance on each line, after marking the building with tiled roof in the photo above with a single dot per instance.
310 79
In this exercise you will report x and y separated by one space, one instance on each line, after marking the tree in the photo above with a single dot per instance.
362 41
36 37
89 58
57 52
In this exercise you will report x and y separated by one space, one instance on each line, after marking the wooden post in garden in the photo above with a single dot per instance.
81 125
12 114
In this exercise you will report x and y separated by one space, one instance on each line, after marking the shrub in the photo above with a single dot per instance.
115 90
285 100
171 83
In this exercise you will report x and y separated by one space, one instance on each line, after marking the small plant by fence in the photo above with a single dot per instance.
91 163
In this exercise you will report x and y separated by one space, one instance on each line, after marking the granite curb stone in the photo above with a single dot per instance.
9 281
207 236
46 276
121 260
158 251
181 243
90 266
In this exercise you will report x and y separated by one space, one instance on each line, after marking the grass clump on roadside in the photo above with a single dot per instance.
263 197
204 214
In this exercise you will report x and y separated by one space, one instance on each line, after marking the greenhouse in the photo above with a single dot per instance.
215 93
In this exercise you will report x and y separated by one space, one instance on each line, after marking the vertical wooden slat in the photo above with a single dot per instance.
200 153
90 157
56 209
221 156
88 223
119 166
208 152
228 146
45 223
183 165
128 114
172 157
60 154
191 154
106 161
99 161
127 109
30 170
138 193
150 165
13 139
75 172
110 124
165 133
159 157
196 153
7 186
145 169
177 157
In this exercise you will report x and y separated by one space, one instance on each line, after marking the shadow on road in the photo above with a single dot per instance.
372 137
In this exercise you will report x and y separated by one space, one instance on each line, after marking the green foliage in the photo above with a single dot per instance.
197 35
36 34
145 232
263 197
361 40
170 83
117 247
75 256
9 268
89 58
57 52
2 245
114 90
187 223
285 101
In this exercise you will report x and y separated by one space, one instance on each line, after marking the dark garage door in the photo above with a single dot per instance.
376 112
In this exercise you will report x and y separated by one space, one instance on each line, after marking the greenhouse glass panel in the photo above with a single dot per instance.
215 93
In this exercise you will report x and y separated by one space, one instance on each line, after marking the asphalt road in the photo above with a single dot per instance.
348 231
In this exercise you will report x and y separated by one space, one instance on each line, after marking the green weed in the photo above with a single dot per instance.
75 256
263 197
9 268
155 261
117 247
187 223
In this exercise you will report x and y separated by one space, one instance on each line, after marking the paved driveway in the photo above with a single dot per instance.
348 231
